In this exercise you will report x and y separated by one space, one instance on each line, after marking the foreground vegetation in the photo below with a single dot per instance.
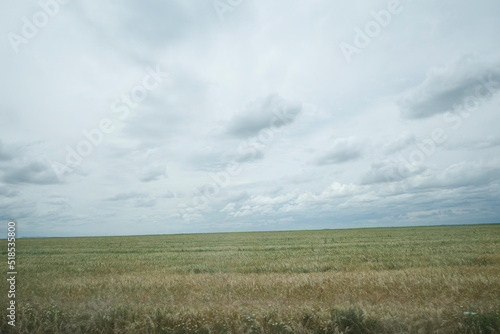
387 280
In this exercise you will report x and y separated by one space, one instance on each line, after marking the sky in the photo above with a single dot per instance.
155 117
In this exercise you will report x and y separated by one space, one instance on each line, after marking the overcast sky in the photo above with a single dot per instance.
146 117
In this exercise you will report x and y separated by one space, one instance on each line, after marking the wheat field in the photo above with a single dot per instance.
443 279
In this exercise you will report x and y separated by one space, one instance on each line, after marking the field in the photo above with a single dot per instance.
383 280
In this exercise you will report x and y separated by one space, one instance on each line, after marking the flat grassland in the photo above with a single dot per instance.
381 280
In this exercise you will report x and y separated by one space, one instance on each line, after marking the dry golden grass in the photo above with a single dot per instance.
388 280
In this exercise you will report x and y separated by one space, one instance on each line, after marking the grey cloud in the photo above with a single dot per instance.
34 172
168 194
153 122
215 160
180 194
13 205
169 110
433 214
339 156
399 143
208 160
147 23
16 209
58 201
152 173
269 112
390 171
171 194
19 166
138 199
145 202
460 175
238 197
475 144
342 150
6 192
249 155
465 81
4 154
127 196
231 199
165 20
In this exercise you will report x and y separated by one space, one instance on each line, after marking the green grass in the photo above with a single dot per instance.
383 280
